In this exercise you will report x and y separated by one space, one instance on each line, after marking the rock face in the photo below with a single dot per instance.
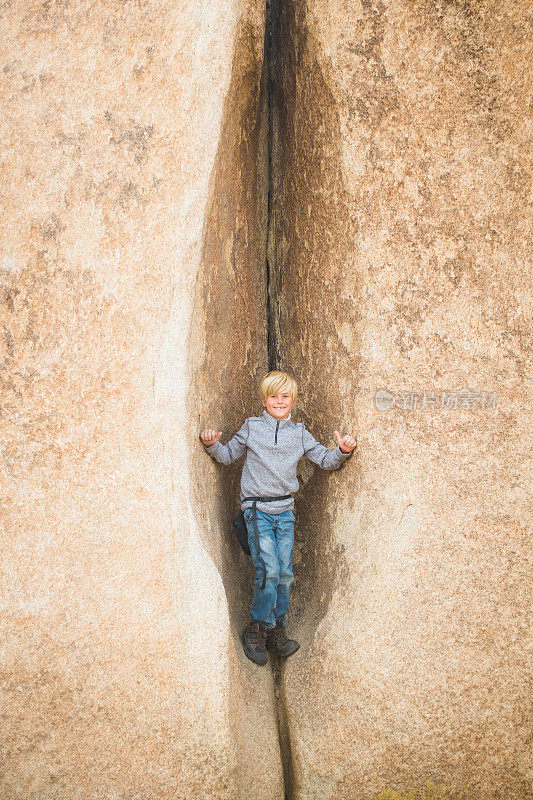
179 219
401 175
120 676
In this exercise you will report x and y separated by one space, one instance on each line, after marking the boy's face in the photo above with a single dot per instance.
279 405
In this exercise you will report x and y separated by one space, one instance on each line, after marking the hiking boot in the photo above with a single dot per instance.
255 641
279 641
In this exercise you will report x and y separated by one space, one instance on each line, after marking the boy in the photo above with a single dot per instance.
273 444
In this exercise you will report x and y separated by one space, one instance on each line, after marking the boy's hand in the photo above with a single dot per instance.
346 443
209 436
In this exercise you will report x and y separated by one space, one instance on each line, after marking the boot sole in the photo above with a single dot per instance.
253 657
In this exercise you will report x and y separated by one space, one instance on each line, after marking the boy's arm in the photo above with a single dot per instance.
234 449
316 452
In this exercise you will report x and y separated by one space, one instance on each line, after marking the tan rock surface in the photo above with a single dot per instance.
135 312
401 187
120 676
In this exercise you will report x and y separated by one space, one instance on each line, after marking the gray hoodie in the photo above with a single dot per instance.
273 448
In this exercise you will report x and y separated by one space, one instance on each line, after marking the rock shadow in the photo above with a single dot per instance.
227 341
306 234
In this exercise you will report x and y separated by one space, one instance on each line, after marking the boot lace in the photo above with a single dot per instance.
257 637
277 637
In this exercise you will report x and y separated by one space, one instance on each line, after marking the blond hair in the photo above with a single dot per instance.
277 381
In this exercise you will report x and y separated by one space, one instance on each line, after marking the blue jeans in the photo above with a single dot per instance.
276 540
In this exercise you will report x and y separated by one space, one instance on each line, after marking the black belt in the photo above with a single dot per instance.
256 529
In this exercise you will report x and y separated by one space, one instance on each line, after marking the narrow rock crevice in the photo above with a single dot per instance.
278 667
272 69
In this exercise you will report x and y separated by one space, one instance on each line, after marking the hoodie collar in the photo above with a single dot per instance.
272 420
